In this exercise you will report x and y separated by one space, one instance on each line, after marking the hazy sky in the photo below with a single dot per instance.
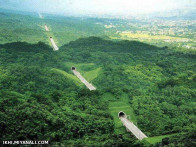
113 7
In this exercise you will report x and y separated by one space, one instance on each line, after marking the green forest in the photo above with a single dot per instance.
41 99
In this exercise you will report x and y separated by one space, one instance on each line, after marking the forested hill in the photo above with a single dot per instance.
39 91
26 47
100 44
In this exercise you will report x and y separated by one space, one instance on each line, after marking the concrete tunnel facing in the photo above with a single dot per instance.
73 68
122 114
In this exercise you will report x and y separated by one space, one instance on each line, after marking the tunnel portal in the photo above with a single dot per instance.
122 114
73 68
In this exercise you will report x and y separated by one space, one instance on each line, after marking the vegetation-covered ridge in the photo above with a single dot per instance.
41 100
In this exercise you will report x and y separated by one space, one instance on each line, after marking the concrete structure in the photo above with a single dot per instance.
46 28
82 79
130 126
54 44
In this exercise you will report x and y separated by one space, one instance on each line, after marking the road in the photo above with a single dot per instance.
54 44
132 128
55 47
83 80
46 28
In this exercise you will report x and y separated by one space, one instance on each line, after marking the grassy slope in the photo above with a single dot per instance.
70 76
91 75
156 139
88 70
117 105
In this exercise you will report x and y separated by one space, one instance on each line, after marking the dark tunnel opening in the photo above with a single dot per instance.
73 68
121 114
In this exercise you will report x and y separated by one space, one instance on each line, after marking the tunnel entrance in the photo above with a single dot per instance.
73 68
122 114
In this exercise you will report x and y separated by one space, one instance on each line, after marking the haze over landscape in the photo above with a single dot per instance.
100 7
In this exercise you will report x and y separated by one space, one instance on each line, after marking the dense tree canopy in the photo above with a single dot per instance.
39 103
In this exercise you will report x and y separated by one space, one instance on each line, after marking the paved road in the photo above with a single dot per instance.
132 128
54 44
83 80
46 28
55 47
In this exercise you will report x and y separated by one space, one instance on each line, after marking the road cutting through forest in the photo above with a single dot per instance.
131 127
55 47
83 80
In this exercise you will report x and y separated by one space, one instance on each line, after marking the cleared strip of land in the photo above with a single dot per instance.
46 28
54 44
83 80
132 128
